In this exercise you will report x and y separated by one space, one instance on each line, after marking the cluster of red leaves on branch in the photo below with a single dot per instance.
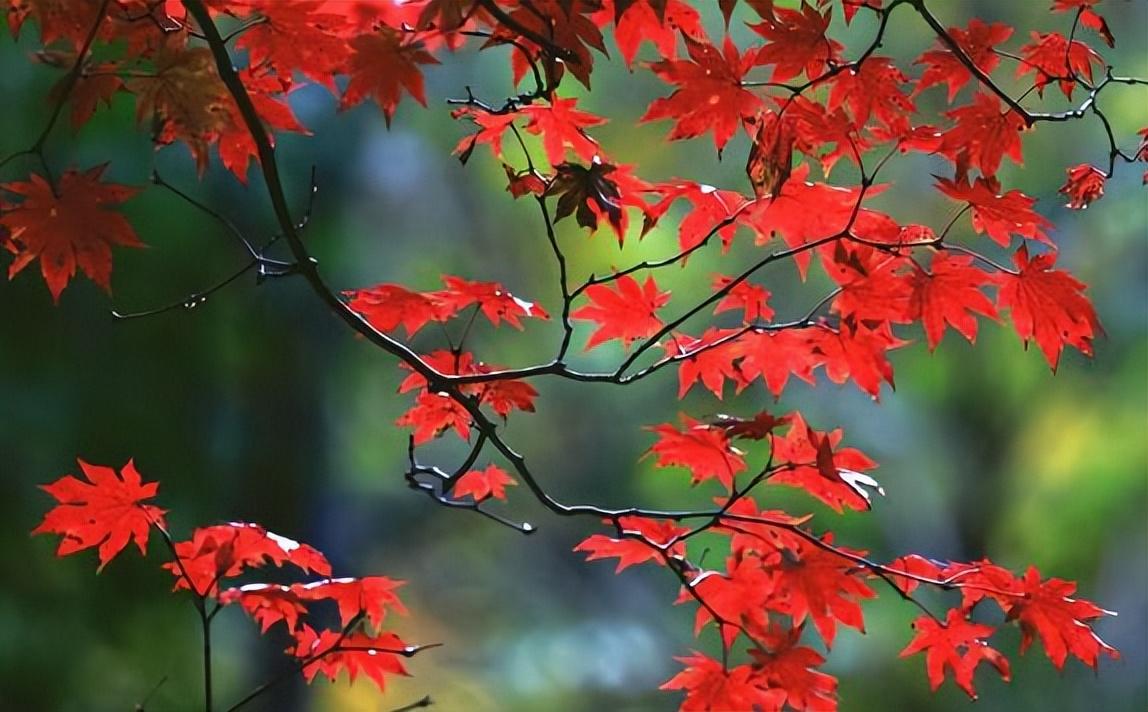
811 108
109 511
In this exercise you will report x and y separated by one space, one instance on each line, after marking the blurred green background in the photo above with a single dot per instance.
259 406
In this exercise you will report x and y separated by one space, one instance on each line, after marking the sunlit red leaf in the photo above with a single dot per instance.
104 512
1048 306
483 484
702 449
1085 185
622 310
709 94
956 645
630 550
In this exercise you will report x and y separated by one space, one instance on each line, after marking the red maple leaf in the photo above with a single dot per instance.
331 653
711 212
495 303
950 293
752 299
628 312
874 89
710 687
873 285
1087 17
97 85
998 215
227 550
654 21
790 668
107 513
1046 610
774 356
566 25
796 43
505 394
858 352
735 600
943 67
297 36
821 585
482 484
267 604
370 596
813 462
1085 184
701 448
709 95
71 20
382 66
387 306
958 645
434 413
631 551
706 362
1050 57
985 133
68 226
1047 306
563 127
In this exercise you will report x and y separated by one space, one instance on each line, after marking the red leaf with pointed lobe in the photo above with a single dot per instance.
640 21
706 360
856 352
790 668
823 586
495 303
986 131
561 126
1088 17
819 466
483 484
712 212
875 89
1050 57
709 94
632 551
950 293
297 36
1048 306
999 215
70 225
752 299
622 310
1062 623
227 550
956 645
381 67
388 306
701 448
375 656
796 42
977 42
433 414
774 356
370 596
105 512
710 687
1085 185
267 604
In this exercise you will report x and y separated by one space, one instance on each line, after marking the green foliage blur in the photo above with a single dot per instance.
259 406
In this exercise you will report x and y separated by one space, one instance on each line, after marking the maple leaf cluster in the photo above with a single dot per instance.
810 107
111 510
